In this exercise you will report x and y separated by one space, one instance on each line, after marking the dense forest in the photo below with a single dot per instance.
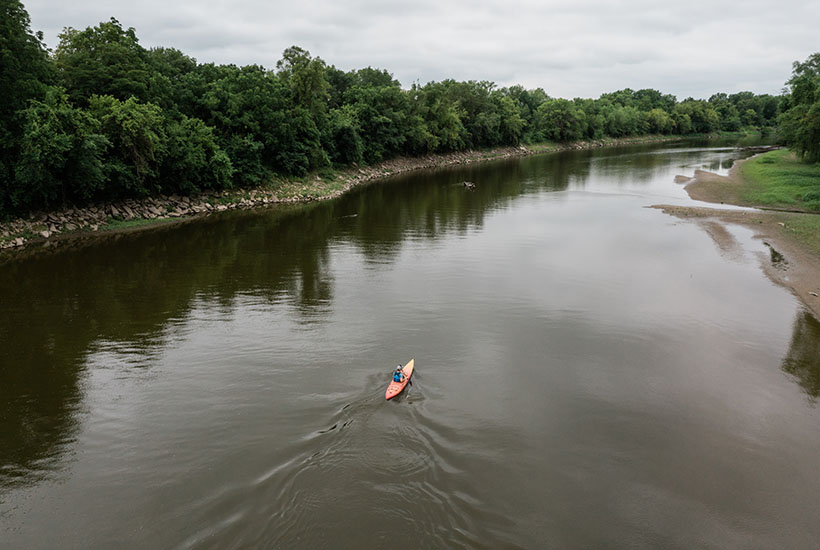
103 118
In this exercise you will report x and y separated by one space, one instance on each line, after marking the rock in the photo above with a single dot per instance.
70 227
45 234
115 212
469 185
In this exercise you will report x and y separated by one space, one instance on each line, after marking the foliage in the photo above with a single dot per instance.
194 161
102 60
61 154
800 121
25 72
138 144
105 118
561 120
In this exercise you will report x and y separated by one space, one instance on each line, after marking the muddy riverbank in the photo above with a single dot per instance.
791 263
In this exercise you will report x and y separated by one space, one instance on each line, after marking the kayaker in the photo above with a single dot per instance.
398 374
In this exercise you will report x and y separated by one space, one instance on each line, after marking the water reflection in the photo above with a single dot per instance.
803 359
128 288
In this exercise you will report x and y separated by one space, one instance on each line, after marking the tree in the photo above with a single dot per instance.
443 128
702 116
25 72
344 143
168 81
560 120
306 78
102 60
61 154
138 144
659 121
194 161
511 122
257 124
624 121
382 115
799 124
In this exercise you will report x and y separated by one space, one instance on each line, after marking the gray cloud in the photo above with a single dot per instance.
570 48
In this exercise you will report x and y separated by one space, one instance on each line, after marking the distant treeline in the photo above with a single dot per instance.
102 118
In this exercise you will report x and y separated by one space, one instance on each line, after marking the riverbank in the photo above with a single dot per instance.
49 228
791 234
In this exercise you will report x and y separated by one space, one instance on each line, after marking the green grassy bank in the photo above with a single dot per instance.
779 179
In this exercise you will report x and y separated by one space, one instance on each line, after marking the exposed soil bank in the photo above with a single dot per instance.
791 263
50 227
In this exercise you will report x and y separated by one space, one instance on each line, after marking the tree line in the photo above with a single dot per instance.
103 118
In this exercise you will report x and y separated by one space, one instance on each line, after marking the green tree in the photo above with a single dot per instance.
25 72
102 60
168 82
560 120
194 161
442 118
512 123
61 154
799 124
344 143
659 121
306 78
139 144
702 116
622 121
257 124
527 102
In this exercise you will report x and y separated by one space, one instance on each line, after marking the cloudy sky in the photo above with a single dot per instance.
571 48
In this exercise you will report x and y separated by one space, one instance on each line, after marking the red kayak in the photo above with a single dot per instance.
395 388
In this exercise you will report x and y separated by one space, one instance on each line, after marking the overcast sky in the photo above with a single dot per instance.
578 48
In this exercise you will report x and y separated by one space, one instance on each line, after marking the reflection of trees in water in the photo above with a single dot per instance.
434 203
803 359
125 289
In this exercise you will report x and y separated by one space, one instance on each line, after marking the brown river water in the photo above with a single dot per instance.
590 373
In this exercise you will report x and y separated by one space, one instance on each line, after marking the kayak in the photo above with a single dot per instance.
395 388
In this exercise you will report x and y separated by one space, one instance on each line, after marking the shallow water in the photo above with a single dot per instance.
589 373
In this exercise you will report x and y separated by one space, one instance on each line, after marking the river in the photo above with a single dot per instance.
590 372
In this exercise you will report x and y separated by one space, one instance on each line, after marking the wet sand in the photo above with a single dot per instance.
790 264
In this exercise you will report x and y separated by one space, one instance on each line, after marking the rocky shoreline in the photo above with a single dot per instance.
48 227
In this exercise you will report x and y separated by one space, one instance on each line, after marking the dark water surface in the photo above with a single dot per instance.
590 373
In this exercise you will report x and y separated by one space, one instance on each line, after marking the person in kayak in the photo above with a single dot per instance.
398 374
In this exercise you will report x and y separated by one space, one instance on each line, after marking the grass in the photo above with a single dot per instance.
779 179
113 224
804 228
